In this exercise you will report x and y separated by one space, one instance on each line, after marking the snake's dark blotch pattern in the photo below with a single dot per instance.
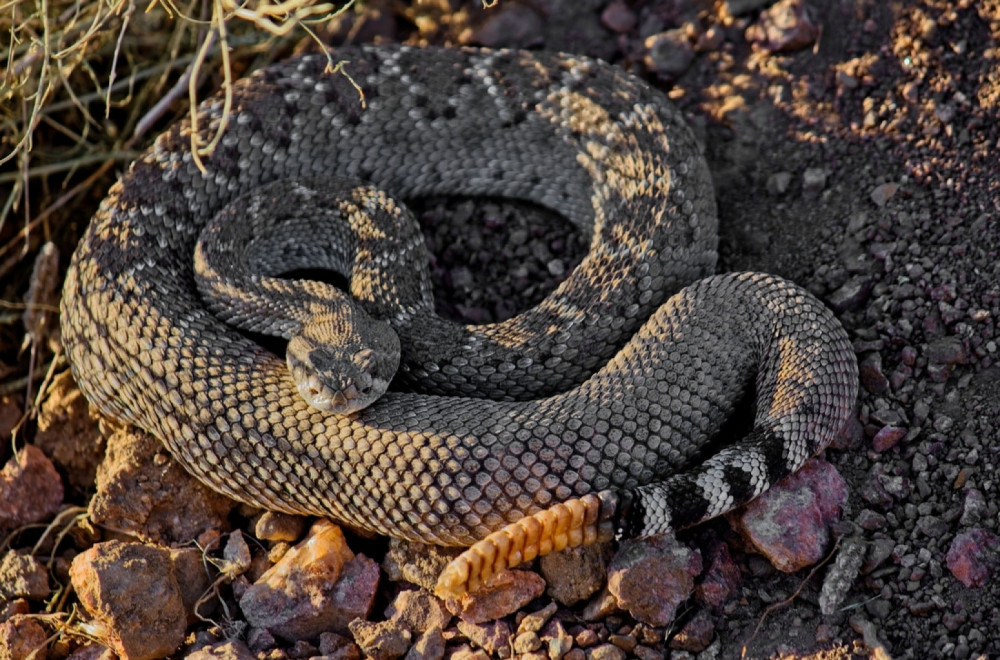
575 135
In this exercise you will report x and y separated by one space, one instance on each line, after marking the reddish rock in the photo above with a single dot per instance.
785 26
142 491
229 650
23 638
429 646
651 577
23 576
418 610
193 580
491 636
618 17
507 592
721 581
871 375
385 640
696 634
416 563
337 647
317 586
887 438
788 524
575 574
30 489
68 433
535 621
973 556
273 526
116 583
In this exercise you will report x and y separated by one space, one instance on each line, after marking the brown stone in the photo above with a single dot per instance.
131 590
143 491
30 489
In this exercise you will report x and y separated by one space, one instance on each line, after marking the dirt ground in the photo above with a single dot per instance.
860 162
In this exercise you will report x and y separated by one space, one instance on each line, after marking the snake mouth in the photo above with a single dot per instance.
350 395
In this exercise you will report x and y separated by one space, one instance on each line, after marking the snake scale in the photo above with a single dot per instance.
601 410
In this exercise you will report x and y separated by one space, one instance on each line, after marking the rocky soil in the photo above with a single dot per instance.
854 148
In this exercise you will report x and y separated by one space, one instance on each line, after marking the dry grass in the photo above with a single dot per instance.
82 82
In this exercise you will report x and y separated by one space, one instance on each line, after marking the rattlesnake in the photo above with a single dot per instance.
634 449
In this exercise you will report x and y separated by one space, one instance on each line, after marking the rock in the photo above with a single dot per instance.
466 652
600 606
416 563
69 434
526 642
508 592
273 526
973 556
192 579
232 649
887 438
116 582
23 638
871 375
535 621
722 579
491 636
429 646
510 26
788 524
786 26
559 642
30 488
618 17
696 634
385 640
880 195
23 576
778 183
319 585
814 180
669 54
946 351
338 647
605 652
740 7
651 577
575 574
852 295
142 491
418 610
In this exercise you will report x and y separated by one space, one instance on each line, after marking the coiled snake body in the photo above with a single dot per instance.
575 135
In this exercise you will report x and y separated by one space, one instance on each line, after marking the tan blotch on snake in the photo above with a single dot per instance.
600 412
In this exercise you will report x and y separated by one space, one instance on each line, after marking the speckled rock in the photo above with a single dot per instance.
788 524
30 488
142 491
491 636
651 577
575 574
116 582
508 592
23 638
418 610
721 579
232 649
973 556
317 586
23 576
385 640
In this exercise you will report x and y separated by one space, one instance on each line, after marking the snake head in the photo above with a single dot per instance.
342 364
